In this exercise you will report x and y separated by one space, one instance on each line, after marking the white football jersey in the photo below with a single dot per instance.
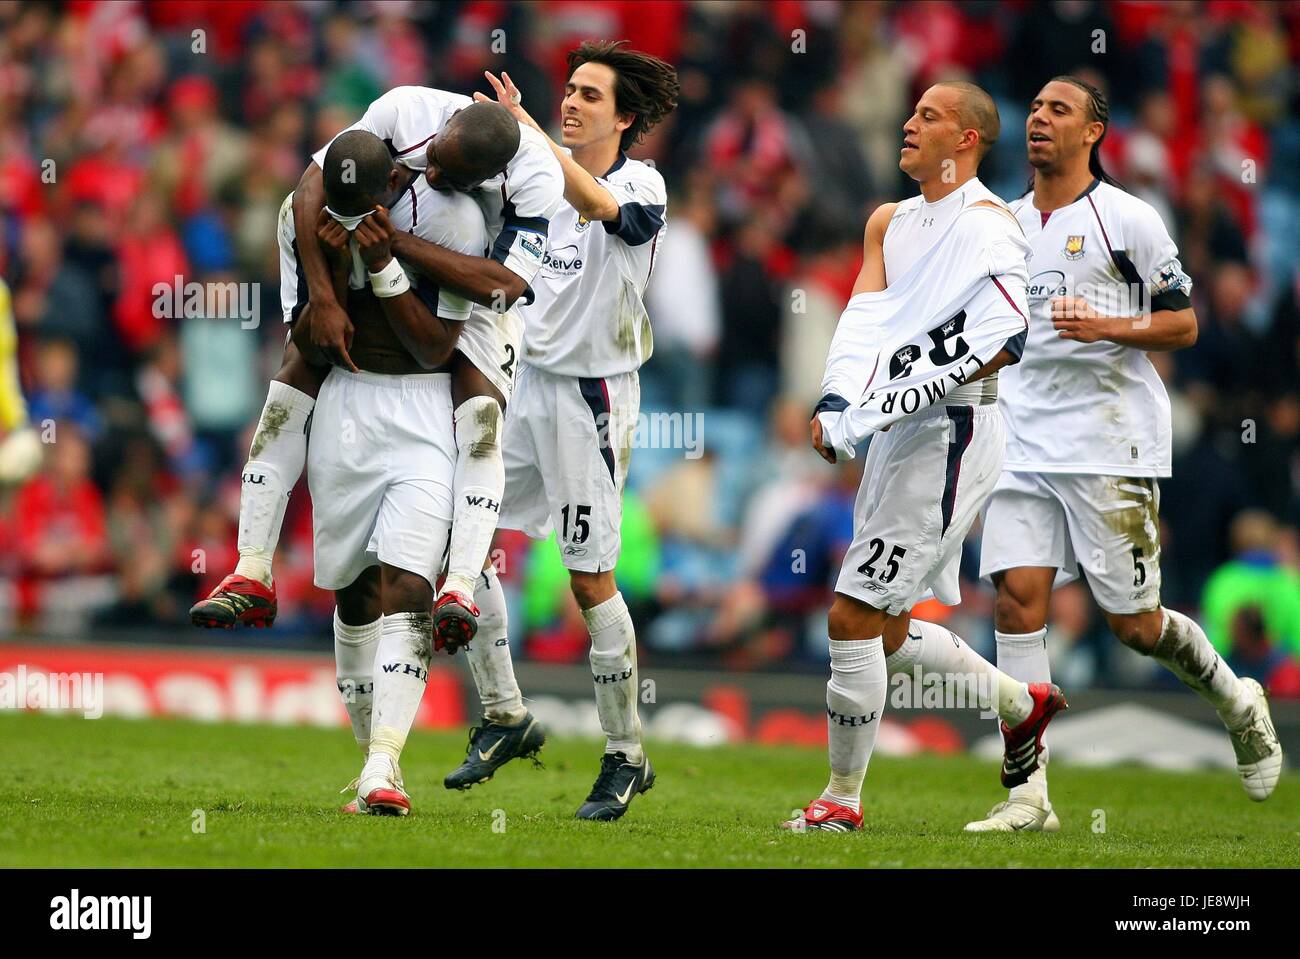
1092 407
913 230
452 220
517 204
589 318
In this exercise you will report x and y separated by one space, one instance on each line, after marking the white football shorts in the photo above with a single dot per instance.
567 444
381 463
1107 525
491 341
924 483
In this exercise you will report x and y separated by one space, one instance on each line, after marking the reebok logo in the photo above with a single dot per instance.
75 912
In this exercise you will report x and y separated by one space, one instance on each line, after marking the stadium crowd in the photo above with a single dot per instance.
153 143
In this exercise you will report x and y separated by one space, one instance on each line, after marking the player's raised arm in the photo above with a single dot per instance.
582 191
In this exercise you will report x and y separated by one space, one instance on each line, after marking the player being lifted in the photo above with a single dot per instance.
456 148
570 426
1088 435
383 458
938 307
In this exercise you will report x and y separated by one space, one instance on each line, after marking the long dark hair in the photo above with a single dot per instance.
644 86
1099 112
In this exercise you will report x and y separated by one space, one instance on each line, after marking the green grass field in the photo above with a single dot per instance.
112 792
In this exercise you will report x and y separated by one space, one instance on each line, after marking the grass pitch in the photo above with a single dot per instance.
115 792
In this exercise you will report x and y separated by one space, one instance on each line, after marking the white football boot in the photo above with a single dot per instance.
1018 815
1259 754
379 788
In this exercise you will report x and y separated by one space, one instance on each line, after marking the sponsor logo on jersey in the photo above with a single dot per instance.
1073 247
563 261
1045 284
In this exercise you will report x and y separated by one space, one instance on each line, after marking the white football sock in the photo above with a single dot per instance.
613 670
941 652
489 655
354 666
855 701
401 671
1024 657
275 461
1185 651
479 483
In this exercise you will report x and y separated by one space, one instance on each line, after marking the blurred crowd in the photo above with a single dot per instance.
146 143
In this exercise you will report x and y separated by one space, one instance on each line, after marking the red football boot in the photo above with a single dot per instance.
1021 746
826 815
455 621
237 601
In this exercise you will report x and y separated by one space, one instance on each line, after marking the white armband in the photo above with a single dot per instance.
391 280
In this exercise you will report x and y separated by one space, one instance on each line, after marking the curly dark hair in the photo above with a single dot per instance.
644 86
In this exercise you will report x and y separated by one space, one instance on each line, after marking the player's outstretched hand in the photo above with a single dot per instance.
508 96
827 454
1074 319
374 237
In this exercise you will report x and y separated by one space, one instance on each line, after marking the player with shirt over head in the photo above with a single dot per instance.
1088 437
938 308
569 430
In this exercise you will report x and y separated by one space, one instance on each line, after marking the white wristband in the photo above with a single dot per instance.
391 280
